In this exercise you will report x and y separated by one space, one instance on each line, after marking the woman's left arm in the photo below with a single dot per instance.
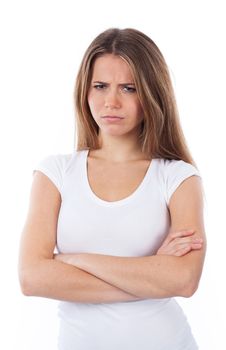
156 276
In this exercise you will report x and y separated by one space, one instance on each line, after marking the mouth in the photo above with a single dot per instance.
112 117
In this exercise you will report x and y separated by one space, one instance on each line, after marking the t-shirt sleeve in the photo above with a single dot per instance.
176 172
53 167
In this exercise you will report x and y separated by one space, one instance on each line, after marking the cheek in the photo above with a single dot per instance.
139 110
93 103
89 100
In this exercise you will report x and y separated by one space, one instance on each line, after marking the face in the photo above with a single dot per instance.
112 97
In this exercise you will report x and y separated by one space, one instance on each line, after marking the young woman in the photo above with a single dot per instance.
124 209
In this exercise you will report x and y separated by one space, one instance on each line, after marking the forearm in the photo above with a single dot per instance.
56 280
157 276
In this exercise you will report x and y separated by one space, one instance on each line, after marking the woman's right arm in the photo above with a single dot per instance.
39 273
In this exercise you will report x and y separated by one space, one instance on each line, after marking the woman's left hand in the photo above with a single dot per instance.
180 243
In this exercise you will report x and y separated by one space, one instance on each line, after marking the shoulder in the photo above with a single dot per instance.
55 166
173 173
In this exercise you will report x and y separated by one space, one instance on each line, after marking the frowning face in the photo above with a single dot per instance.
112 97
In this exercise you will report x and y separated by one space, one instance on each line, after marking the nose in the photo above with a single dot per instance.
112 100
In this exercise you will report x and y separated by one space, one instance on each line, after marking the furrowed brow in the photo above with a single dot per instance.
122 84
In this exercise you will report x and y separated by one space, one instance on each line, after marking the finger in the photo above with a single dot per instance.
177 245
175 252
183 251
182 233
187 248
172 235
196 245
182 240
181 244
179 249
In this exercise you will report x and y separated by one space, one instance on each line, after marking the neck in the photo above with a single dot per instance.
119 149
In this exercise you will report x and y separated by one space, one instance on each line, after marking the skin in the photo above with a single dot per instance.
112 92
176 268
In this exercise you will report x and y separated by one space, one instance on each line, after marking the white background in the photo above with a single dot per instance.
42 43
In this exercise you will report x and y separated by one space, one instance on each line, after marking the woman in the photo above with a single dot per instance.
125 209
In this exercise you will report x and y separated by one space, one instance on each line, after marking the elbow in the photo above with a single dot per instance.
26 284
189 291
189 287
34 277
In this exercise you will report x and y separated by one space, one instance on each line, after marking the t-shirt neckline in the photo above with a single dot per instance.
120 202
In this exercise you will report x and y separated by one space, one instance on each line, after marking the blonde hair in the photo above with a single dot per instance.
161 134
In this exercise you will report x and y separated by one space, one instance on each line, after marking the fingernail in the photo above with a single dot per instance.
198 245
198 239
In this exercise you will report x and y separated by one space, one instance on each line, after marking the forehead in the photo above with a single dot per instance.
111 67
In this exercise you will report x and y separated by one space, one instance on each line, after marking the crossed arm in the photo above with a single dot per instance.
174 271
176 268
165 274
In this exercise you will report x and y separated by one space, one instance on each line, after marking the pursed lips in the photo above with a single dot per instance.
112 116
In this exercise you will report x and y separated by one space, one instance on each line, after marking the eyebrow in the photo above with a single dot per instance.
122 84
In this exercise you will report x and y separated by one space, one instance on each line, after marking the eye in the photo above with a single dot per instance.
99 86
129 89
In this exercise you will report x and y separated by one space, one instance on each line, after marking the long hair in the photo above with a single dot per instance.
161 135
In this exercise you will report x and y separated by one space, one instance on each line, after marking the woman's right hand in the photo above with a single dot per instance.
180 243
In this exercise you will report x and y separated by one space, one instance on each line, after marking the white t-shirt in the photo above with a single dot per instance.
134 226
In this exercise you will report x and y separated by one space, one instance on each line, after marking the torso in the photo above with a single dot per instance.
115 181
133 228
